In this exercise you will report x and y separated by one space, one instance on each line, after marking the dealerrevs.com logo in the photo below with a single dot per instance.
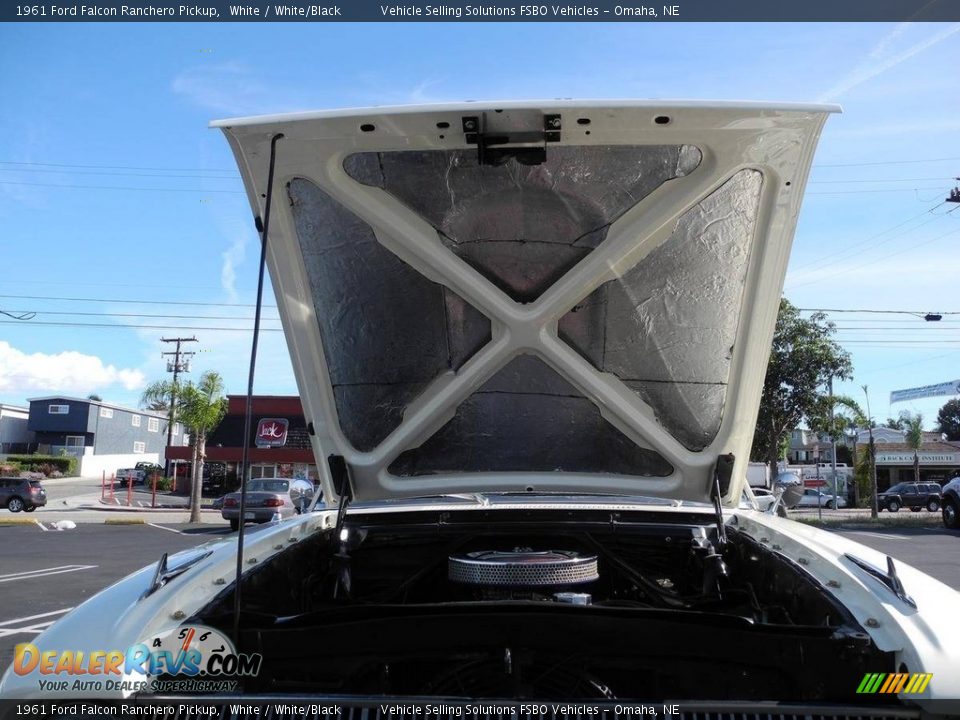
190 658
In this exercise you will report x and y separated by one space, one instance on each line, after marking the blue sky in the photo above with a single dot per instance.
126 106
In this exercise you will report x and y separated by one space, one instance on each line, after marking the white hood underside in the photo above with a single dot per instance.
531 297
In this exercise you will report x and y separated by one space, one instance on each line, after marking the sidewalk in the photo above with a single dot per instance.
87 508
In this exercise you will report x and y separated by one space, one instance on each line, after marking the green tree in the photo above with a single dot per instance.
803 360
895 423
913 427
94 397
200 408
948 419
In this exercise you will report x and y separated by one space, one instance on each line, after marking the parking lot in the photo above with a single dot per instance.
47 572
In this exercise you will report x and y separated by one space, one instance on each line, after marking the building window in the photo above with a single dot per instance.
262 471
106 412
176 429
135 420
153 424
58 409
139 447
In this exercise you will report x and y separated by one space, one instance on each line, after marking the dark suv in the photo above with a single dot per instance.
915 496
18 494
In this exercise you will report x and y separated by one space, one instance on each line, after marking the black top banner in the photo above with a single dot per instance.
487 11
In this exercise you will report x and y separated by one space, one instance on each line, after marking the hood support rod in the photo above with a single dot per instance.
264 229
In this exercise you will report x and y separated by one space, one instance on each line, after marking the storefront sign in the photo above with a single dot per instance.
272 432
925 458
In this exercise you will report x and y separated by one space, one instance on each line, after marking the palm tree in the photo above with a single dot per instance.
200 407
913 431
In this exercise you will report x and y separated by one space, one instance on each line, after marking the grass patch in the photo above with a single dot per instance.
885 520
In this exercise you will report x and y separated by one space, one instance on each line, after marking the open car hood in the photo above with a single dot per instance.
573 297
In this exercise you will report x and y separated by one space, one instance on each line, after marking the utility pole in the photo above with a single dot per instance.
874 513
833 446
176 367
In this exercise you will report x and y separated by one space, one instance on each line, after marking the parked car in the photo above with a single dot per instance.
138 473
18 494
532 361
813 497
915 496
950 503
267 498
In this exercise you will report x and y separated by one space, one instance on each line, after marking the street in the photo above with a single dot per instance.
46 573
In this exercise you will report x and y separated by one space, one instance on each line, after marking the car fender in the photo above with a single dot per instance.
918 637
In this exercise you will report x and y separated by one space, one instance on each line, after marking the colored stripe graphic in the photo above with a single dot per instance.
894 683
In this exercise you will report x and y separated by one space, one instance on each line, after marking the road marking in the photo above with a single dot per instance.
879 536
35 617
161 527
35 628
41 525
31 574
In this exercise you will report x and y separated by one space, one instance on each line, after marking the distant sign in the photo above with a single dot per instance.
272 432
926 458
946 388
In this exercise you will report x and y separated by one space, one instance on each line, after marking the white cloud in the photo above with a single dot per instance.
232 257
66 371
880 59
233 88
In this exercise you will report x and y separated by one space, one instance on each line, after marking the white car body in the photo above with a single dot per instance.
695 205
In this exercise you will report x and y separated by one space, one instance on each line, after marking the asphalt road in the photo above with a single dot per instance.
45 574
935 551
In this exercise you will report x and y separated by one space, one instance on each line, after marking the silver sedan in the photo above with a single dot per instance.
267 498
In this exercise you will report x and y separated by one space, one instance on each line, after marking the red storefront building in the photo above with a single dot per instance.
225 445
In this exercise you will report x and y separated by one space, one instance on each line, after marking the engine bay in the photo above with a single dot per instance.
545 604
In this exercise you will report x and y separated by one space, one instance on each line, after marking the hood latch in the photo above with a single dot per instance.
527 147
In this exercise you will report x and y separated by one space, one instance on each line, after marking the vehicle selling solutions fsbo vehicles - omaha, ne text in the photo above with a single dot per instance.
530 339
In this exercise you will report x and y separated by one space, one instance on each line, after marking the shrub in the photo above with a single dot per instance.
46 468
67 465
9 468
164 484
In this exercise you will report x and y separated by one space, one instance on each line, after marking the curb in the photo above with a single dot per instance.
17 521
121 521
124 508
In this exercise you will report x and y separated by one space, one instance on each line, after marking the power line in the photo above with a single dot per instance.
860 192
884 162
845 270
141 315
161 175
132 302
117 187
884 312
860 243
874 180
133 327
116 167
